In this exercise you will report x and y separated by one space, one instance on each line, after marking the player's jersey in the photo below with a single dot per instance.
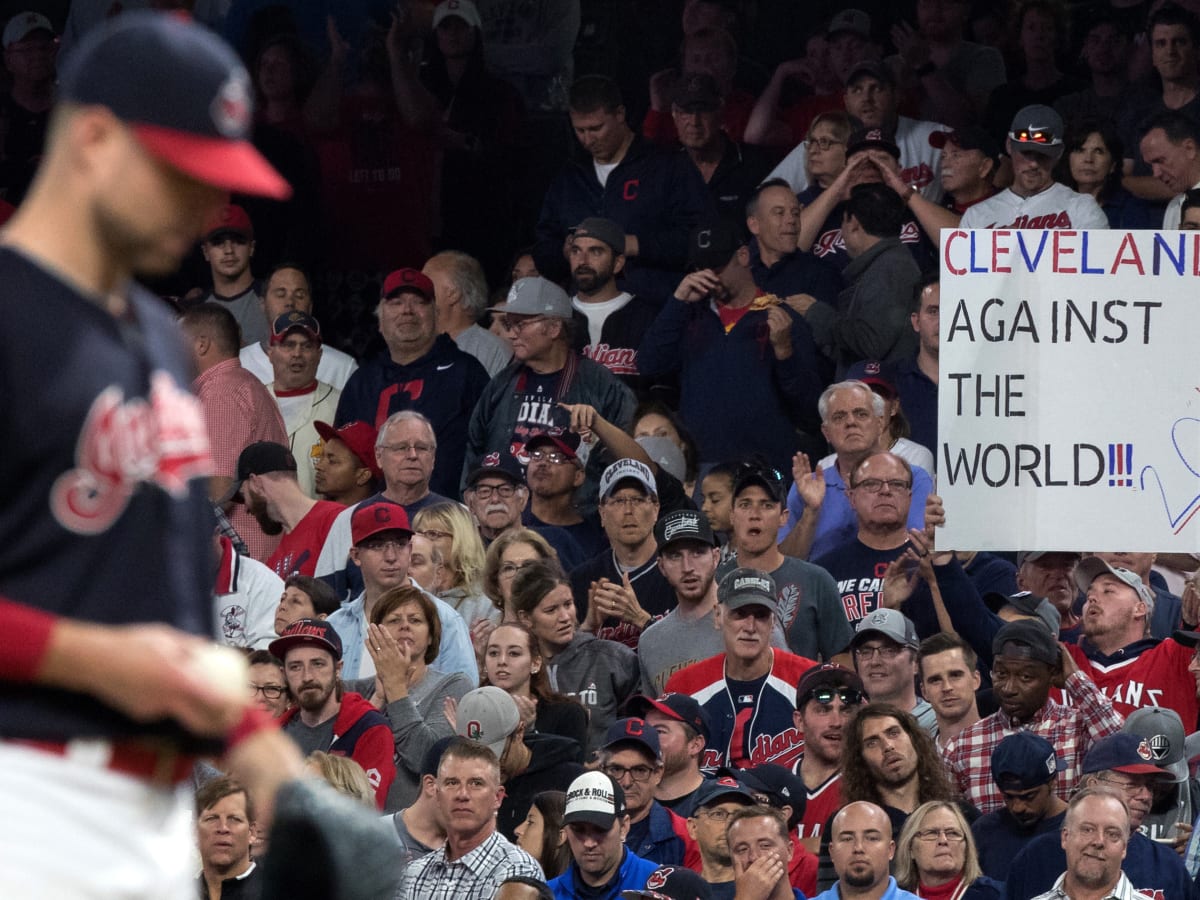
1147 673
103 513
1056 207
746 729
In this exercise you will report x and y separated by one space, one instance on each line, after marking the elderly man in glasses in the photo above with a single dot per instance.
528 397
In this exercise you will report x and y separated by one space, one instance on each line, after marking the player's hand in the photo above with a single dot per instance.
697 286
810 482
757 881
779 329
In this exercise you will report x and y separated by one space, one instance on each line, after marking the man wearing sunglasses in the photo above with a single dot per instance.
1035 199
827 698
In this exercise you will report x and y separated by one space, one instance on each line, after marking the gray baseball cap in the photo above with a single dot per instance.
536 296
891 624
1091 567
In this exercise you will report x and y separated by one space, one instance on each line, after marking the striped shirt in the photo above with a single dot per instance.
473 876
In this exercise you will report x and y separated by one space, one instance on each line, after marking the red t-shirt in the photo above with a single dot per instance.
298 550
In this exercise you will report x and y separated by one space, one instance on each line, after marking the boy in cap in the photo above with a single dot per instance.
1025 768
228 247
597 823
1035 199
1027 663
746 691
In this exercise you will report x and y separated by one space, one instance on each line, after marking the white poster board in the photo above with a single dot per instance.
1069 390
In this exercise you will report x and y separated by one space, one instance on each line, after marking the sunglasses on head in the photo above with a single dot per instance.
825 695
765 472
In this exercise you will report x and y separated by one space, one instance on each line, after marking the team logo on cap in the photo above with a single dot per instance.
751 582
685 523
658 878
230 109
879 617
491 460
1144 751
475 730
1051 764
1160 747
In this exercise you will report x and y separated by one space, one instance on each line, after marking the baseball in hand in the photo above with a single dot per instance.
223 668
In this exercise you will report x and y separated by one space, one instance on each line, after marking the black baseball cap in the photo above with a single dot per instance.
671 883
1026 639
713 246
871 139
969 137
781 786
1024 760
260 458
769 479
604 230
683 525
827 676
497 465
307 632
183 93
697 92
633 731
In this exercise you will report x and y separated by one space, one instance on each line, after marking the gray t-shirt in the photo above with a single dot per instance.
308 739
493 352
247 309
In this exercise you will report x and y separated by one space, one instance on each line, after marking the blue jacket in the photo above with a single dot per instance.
1152 868
761 399
655 194
893 892
663 845
442 385
630 877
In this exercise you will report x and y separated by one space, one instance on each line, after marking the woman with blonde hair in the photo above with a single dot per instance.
936 857
450 528
344 774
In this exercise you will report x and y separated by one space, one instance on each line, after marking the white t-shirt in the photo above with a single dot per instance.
334 368
596 313
1174 212
603 171
1056 207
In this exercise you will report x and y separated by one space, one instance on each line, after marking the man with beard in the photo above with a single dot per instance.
1027 662
268 486
861 848
682 727
496 495
827 699
1121 763
295 352
325 717
716 801
1035 199
613 320
947 667
687 558
1025 768
1130 667
1095 837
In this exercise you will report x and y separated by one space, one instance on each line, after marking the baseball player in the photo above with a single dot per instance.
108 691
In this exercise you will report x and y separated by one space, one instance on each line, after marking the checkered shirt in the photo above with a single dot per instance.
1071 731
1123 890
474 876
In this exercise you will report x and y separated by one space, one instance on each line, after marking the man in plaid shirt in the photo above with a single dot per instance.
1027 663
476 858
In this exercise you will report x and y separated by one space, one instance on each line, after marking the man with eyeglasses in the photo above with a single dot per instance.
885 657
1027 661
555 475
742 690
820 516
1095 837
496 495
1120 765
621 591
382 550
1025 768
421 369
527 397
632 757
827 699
1035 199
809 611
716 800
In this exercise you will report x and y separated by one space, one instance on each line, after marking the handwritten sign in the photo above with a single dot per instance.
1069 395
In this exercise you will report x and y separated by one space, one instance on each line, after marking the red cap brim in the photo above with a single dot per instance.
233 165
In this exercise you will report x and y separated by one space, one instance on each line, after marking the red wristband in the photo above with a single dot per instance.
26 638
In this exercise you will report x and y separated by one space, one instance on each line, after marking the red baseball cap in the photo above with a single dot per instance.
231 219
183 93
371 519
408 280
359 437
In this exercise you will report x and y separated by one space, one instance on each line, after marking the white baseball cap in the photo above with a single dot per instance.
464 9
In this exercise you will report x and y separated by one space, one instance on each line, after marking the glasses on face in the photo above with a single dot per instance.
419 447
629 502
717 815
270 691
510 570
875 485
637 773
382 546
434 535
554 456
511 323
825 695
822 143
951 835
503 491
1129 788
890 651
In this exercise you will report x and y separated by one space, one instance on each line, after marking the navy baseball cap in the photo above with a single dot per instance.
671 883
307 632
681 707
295 320
781 786
497 465
1024 760
721 789
633 731
769 479
183 93
1121 752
